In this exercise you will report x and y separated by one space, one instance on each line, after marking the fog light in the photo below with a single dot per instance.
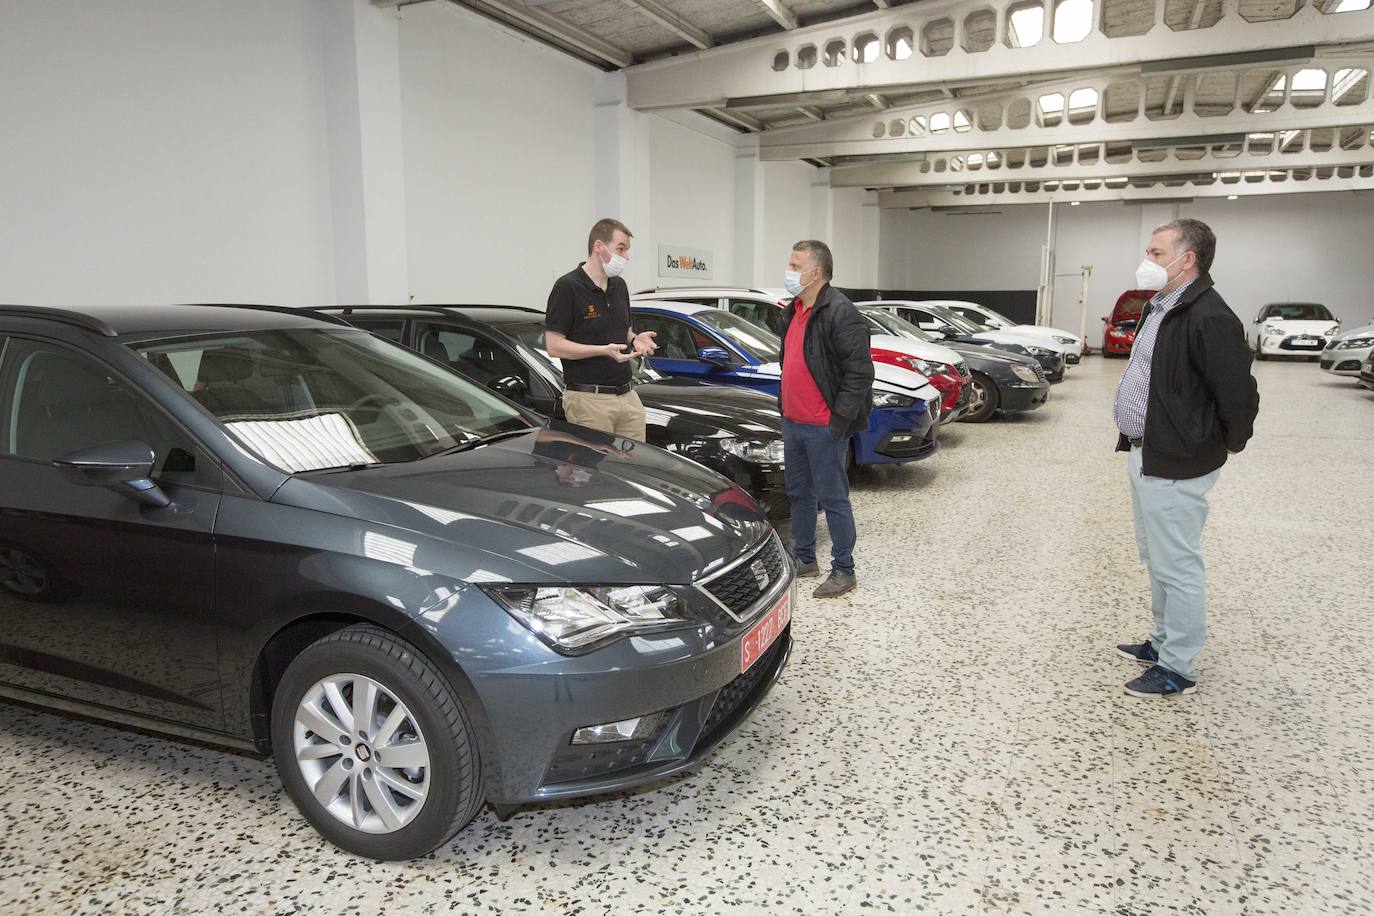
900 438
624 730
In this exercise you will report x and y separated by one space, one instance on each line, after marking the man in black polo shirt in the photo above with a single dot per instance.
587 327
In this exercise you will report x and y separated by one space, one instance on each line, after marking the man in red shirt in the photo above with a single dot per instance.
827 391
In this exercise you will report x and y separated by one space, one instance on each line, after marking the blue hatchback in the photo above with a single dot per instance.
713 345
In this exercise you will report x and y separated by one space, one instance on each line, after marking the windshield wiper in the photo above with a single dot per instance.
356 466
484 440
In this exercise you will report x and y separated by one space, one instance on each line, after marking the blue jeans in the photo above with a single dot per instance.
813 465
1169 515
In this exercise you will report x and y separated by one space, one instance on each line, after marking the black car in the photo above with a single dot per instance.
282 533
948 327
998 380
734 432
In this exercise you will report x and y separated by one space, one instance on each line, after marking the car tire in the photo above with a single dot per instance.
987 397
374 810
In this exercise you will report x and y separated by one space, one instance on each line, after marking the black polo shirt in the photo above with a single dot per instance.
580 311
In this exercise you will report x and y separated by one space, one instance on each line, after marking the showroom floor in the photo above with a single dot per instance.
952 738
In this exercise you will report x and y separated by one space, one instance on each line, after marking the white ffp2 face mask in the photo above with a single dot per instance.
1150 275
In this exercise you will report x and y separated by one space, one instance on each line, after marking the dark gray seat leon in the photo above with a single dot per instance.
278 532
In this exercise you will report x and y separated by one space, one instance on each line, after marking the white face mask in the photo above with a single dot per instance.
1150 275
616 265
791 281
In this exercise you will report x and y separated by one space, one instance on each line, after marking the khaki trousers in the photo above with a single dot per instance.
618 414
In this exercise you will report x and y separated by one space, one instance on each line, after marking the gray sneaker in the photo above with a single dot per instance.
837 584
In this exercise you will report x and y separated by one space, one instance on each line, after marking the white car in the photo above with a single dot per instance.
1344 354
1293 329
936 319
766 306
1072 344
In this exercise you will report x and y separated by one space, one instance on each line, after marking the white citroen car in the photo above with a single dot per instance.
1071 344
1293 329
1345 352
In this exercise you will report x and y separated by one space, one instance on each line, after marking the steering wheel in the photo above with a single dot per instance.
378 401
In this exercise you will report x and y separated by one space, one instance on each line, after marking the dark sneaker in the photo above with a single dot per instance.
837 584
1160 682
1142 652
807 570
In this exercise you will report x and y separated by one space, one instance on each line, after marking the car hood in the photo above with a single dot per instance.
500 513
975 354
1296 326
1362 331
910 346
697 408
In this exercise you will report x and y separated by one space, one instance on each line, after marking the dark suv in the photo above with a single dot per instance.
280 532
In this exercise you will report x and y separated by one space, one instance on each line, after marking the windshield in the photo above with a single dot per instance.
1298 311
757 341
307 399
1000 318
961 324
895 324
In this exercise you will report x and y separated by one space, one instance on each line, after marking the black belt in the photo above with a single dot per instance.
1137 443
604 389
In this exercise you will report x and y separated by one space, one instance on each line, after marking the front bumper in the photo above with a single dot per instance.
1293 345
1022 397
961 404
897 434
526 700
1344 362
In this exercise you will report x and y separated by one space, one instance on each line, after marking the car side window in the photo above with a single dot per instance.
477 356
764 314
54 400
675 339
392 329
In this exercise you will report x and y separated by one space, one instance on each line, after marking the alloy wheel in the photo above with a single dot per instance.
361 753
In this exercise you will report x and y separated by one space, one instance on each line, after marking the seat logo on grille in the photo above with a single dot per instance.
760 574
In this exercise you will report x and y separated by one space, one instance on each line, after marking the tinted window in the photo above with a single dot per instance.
57 400
309 399
477 356
764 314
676 339
390 328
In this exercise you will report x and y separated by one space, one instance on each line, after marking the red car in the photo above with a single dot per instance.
1120 331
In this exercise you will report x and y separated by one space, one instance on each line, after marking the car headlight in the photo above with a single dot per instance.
1066 341
892 399
1041 352
757 452
1355 343
1024 373
575 619
1272 331
1331 332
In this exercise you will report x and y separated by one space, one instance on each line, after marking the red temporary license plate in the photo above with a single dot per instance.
765 632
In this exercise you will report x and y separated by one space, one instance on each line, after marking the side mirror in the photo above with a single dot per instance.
1104 319
716 356
125 467
512 386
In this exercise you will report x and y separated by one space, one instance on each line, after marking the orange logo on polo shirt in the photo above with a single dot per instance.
591 310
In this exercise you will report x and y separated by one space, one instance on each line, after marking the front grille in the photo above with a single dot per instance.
1326 364
575 763
1350 365
739 691
739 588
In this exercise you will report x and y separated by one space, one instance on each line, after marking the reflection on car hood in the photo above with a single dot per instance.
507 512
914 347
697 408
975 354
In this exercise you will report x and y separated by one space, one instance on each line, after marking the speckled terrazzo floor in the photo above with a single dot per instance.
950 738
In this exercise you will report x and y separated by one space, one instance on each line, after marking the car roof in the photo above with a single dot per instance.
130 321
699 290
679 308
487 314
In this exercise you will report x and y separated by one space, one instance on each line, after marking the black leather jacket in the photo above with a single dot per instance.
1203 400
838 355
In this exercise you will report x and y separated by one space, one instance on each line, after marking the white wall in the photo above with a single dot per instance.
164 151
787 216
1314 247
500 163
692 202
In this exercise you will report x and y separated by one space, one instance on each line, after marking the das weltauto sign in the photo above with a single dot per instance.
679 261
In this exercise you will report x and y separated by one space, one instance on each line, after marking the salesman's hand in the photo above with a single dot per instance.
617 352
645 344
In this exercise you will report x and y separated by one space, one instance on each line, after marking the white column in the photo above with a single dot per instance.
366 166
749 221
624 176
